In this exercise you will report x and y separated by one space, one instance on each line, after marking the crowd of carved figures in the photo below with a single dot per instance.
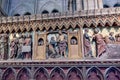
103 44
15 48
96 45
21 47
57 45
57 73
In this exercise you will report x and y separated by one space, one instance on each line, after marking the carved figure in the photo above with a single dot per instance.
87 45
3 46
53 48
26 49
111 37
100 43
62 44
117 36
21 43
14 48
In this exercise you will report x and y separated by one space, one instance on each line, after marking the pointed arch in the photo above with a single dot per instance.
50 4
9 74
24 74
17 14
117 5
56 28
115 22
112 73
41 74
93 24
108 23
21 9
74 73
96 72
45 12
55 11
63 27
85 24
27 13
74 40
57 74
106 6
100 23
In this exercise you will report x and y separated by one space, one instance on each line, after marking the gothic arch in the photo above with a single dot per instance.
41 74
93 24
48 4
24 74
27 13
100 22
45 12
55 11
74 40
17 14
112 73
115 22
106 6
9 74
74 73
117 5
85 23
21 9
94 71
108 23
57 74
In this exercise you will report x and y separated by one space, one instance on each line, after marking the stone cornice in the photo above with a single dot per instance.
89 18
64 63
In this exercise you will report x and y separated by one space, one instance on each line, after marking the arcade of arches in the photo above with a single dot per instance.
57 73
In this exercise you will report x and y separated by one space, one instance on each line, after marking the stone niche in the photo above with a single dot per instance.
74 43
40 46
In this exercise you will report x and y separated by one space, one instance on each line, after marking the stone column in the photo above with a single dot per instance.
100 4
70 7
85 2
96 5
79 5
91 4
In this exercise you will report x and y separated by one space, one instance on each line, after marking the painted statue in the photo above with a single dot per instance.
21 43
117 36
26 49
87 45
100 43
13 48
3 46
111 37
62 44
